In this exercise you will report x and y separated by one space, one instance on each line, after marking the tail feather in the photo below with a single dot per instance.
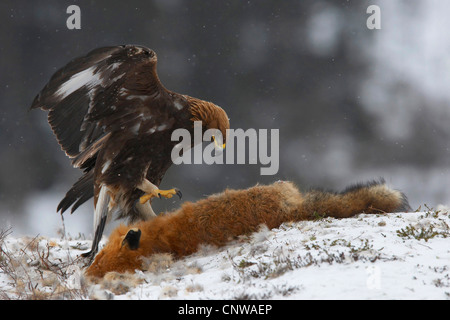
80 192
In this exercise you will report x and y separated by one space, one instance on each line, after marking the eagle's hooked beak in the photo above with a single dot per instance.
216 144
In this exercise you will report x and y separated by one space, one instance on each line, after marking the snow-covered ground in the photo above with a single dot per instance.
391 256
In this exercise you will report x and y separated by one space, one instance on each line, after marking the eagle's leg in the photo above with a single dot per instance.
101 215
152 191
145 209
97 237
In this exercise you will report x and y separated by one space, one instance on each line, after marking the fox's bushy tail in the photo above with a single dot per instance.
371 197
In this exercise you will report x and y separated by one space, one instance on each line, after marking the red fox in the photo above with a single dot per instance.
224 216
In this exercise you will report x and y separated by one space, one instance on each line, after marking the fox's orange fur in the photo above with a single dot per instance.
224 216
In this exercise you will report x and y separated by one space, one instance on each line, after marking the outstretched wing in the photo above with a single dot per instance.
108 90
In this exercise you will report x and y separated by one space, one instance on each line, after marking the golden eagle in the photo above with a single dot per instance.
114 119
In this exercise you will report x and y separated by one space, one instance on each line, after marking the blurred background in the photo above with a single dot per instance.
351 104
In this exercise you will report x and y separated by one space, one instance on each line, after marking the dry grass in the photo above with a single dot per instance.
33 273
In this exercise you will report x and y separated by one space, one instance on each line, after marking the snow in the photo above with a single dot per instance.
390 256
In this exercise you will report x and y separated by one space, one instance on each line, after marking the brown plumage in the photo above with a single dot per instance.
219 218
114 119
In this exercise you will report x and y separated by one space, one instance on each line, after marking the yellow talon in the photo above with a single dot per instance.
145 198
160 193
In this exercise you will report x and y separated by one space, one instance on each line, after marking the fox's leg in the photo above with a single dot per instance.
152 191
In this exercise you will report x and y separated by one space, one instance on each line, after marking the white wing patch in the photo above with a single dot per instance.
140 97
145 117
106 166
136 127
114 65
178 105
162 127
86 77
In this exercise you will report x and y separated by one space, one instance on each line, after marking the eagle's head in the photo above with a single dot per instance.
134 51
212 116
219 121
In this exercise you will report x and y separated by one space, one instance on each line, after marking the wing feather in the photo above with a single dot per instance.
108 90
102 102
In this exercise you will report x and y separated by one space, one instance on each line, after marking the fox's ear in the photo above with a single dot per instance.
132 239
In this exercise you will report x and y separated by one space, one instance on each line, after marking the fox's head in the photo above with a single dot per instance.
121 254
